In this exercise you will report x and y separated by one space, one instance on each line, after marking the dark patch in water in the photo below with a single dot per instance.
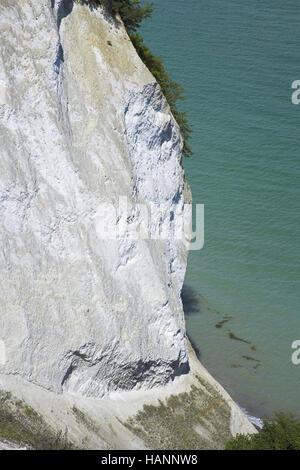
232 336
190 301
222 322
59 58
249 358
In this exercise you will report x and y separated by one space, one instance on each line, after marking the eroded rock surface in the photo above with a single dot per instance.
83 123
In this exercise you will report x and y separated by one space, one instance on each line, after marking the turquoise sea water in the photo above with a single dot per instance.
237 61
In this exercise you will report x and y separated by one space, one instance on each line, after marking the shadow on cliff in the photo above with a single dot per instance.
195 348
64 9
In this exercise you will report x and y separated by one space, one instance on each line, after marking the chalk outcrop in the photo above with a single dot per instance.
82 124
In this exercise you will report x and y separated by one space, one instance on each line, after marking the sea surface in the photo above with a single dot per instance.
237 61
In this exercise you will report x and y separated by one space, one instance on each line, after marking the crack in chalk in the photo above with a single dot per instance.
65 7
59 58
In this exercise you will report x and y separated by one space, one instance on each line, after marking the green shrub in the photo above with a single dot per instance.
131 12
281 433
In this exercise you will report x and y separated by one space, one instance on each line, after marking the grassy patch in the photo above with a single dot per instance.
199 419
85 420
22 425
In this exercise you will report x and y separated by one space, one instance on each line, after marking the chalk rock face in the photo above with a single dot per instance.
85 131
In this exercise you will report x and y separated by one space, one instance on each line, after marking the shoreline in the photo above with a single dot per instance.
254 420
257 422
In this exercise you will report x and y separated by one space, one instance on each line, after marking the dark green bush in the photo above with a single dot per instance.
131 12
280 433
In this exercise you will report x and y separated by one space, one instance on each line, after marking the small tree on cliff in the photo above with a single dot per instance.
131 12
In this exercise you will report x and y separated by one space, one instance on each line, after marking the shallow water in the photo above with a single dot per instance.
237 61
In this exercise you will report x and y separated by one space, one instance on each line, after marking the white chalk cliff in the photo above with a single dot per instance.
83 123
